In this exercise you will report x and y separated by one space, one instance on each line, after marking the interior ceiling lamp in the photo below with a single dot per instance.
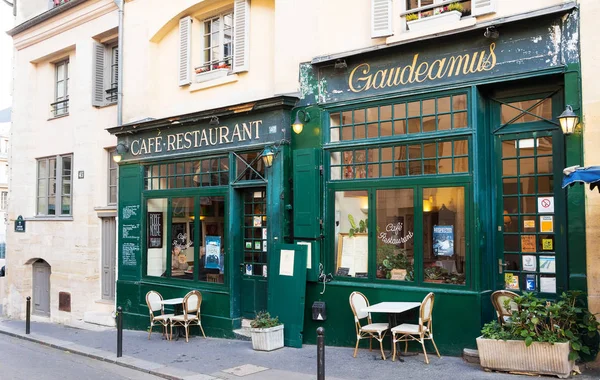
120 150
214 120
428 204
491 32
568 120
298 124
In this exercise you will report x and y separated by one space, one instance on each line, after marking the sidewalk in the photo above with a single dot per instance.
212 358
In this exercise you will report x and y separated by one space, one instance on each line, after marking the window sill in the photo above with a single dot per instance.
58 117
415 34
50 218
213 82
107 105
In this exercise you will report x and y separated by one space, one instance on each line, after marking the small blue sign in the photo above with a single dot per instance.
443 240
213 252
530 282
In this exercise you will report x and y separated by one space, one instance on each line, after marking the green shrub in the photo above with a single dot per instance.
264 320
412 17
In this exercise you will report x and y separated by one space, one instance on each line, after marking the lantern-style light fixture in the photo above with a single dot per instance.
298 124
568 120
267 155
120 150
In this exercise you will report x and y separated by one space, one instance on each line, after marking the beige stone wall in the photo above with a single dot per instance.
590 67
71 247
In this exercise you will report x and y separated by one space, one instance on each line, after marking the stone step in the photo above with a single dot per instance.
243 333
470 356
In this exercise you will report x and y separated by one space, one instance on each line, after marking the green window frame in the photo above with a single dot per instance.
203 172
427 143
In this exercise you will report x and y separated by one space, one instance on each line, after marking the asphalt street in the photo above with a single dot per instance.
23 360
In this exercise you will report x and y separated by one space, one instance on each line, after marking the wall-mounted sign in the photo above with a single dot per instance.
19 224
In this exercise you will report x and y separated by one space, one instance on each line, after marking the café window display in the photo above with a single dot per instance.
185 238
389 225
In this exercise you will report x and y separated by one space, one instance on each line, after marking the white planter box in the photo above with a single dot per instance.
210 75
514 356
267 339
434 21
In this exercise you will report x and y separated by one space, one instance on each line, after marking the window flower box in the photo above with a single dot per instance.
425 23
514 356
204 76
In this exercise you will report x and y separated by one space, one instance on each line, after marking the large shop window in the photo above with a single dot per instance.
190 245
400 196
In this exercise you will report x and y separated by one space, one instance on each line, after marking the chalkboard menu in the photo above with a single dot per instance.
130 235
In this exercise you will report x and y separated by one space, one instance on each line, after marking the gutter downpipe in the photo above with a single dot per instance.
120 4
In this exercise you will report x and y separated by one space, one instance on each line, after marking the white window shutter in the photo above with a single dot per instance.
241 35
482 7
98 75
185 47
381 18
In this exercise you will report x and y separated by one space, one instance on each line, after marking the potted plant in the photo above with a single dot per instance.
267 332
395 262
206 73
435 274
357 228
440 16
541 337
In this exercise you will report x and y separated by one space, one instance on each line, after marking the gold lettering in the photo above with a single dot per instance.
257 124
236 131
472 70
441 66
247 131
224 136
452 62
135 151
211 132
382 74
397 77
419 73
411 71
365 71
490 64
203 138
170 143
144 147
188 139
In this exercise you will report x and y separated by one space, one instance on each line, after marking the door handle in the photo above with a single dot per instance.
501 266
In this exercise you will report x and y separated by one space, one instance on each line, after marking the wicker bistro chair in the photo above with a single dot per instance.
371 330
498 299
153 299
191 314
421 332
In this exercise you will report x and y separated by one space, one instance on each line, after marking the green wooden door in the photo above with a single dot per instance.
530 211
287 290
254 246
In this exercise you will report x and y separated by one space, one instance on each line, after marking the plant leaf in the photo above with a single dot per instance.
528 341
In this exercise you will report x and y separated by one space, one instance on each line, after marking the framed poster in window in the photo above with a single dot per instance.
155 229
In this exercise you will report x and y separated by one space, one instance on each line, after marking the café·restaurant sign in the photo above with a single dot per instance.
456 60
230 134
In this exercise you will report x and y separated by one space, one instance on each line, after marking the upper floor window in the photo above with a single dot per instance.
223 45
60 106
54 179
426 8
105 74
3 200
113 178
217 46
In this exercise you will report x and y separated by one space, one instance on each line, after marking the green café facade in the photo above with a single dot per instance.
427 167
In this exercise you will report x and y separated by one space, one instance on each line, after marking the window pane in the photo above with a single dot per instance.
443 104
352 244
444 235
65 206
157 231
395 236
42 206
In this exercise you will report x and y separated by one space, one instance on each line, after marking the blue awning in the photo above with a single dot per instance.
588 174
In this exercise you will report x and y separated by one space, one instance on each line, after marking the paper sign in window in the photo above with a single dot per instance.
547 264
528 243
286 263
529 263
546 223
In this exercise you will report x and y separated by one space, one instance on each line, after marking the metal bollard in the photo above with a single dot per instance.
119 331
320 353
28 316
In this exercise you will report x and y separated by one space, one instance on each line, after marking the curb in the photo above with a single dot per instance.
93 356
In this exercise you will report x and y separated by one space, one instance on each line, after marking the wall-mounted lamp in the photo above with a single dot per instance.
268 155
120 150
298 124
491 32
214 120
568 120
340 64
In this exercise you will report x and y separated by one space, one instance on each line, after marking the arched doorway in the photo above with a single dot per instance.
41 288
